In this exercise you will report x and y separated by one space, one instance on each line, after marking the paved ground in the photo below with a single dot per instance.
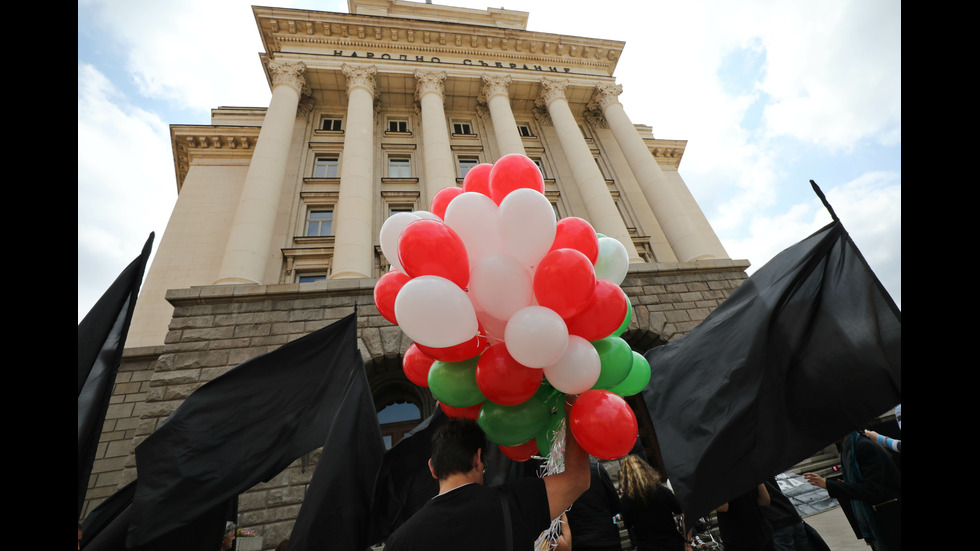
833 528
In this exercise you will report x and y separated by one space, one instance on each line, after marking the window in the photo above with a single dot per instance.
399 167
330 124
326 167
319 223
537 162
524 130
397 126
309 278
463 128
465 164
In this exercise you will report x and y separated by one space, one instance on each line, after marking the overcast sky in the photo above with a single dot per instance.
769 94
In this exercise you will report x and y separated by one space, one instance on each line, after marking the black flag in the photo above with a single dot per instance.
805 350
348 466
241 428
101 339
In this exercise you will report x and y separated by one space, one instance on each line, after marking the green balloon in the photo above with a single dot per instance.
615 360
637 380
454 383
626 322
513 425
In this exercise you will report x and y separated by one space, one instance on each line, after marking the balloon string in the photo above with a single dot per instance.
555 463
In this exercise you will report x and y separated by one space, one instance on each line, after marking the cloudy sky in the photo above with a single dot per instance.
769 94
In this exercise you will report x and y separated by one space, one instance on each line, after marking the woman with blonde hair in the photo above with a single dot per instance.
649 508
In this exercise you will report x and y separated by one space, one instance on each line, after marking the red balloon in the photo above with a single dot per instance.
514 171
477 179
458 353
565 282
416 365
472 412
521 452
576 233
385 291
430 247
503 380
603 424
603 314
442 199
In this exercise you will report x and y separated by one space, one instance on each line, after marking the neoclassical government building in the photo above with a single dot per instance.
275 231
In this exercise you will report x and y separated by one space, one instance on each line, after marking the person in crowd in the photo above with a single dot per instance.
892 444
742 524
789 532
467 515
872 484
591 516
283 545
649 508
229 539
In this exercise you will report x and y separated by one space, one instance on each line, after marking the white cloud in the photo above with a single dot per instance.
870 207
195 54
126 184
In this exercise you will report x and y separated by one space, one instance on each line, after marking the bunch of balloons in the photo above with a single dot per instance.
510 310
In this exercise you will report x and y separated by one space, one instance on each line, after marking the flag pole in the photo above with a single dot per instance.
823 199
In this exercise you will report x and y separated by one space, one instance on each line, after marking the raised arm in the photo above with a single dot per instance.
565 487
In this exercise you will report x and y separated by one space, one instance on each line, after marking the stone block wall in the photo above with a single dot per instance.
115 449
218 327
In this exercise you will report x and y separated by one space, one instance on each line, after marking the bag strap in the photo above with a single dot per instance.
508 529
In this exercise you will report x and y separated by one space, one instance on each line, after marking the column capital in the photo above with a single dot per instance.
605 94
290 74
551 89
494 85
429 82
360 77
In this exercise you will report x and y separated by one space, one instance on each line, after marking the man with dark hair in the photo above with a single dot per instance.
467 515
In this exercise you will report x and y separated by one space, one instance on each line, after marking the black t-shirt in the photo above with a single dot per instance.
471 517
591 516
652 526
744 526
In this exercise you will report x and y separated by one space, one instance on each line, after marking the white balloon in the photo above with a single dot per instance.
613 260
473 216
527 225
501 285
434 311
577 369
535 336
390 231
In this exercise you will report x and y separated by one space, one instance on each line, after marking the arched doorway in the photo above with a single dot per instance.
401 405
396 419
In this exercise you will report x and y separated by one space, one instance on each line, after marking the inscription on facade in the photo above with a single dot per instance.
473 62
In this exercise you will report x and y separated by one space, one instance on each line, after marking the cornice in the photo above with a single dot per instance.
304 32
667 152
188 141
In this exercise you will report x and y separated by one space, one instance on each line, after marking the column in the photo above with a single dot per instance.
249 241
353 250
602 211
440 170
495 94
685 226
